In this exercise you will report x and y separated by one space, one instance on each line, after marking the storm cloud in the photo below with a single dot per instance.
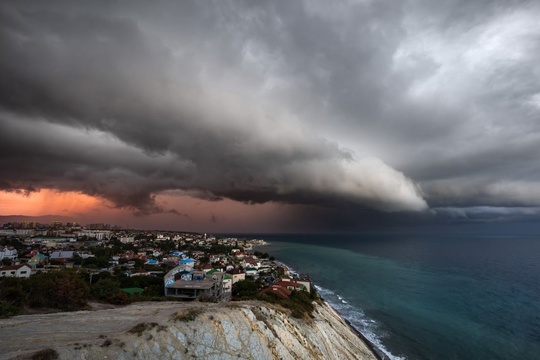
351 105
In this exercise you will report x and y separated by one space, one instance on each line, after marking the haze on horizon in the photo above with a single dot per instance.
271 116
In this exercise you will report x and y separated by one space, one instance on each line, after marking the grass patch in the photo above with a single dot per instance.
45 354
106 343
188 315
258 314
141 328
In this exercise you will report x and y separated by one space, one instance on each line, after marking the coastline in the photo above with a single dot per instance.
374 349
378 353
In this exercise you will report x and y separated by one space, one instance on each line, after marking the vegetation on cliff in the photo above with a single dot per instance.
69 290
300 303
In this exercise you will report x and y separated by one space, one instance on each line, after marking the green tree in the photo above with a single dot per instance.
105 288
7 309
63 289
245 289
12 296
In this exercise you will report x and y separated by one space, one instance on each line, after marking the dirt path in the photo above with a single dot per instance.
26 334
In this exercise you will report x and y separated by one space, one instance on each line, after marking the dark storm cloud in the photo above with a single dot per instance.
348 105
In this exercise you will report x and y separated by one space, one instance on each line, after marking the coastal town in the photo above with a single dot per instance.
175 265
46 268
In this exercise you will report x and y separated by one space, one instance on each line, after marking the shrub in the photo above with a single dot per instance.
300 303
105 288
245 289
7 309
120 298
12 291
140 328
45 354
188 315
106 343
63 289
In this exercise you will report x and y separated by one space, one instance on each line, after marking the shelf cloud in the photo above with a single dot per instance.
350 105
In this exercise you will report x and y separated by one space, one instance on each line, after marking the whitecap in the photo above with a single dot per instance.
357 319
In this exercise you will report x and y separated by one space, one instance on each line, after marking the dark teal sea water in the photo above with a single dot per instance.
428 297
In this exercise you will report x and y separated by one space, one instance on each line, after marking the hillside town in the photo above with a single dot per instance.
190 265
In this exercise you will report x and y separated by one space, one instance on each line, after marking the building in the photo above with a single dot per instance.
237 275
187 284
290 284
227 284
127 239
62 256
251 271
20 271
187 263
8 252
304 280
279 291
250 262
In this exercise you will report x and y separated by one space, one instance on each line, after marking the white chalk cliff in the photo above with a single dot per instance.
245 330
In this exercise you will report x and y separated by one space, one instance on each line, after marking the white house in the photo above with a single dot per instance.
20 271
8 252
127 239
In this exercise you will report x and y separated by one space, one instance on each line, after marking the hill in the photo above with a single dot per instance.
238 330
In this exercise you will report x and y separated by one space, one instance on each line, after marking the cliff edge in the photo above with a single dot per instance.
236 330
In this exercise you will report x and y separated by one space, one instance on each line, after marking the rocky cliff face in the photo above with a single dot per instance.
251 330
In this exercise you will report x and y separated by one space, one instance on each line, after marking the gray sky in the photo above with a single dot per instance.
391 110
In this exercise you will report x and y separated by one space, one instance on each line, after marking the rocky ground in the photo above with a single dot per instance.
238 330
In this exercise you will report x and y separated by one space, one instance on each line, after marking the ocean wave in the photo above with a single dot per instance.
357 319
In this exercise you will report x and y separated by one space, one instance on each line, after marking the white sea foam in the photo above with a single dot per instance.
366 326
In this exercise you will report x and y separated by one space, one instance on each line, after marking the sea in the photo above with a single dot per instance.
426 296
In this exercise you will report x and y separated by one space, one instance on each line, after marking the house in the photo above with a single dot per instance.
227 286
291 285
304 280
187 263
280 291
20 271
251 271
37 259
62 256
127 239
250 262
8 252
206 268
239 254
237 275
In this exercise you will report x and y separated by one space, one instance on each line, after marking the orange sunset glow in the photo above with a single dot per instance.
189 213
46 202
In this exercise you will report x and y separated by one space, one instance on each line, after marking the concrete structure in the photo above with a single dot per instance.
184 283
